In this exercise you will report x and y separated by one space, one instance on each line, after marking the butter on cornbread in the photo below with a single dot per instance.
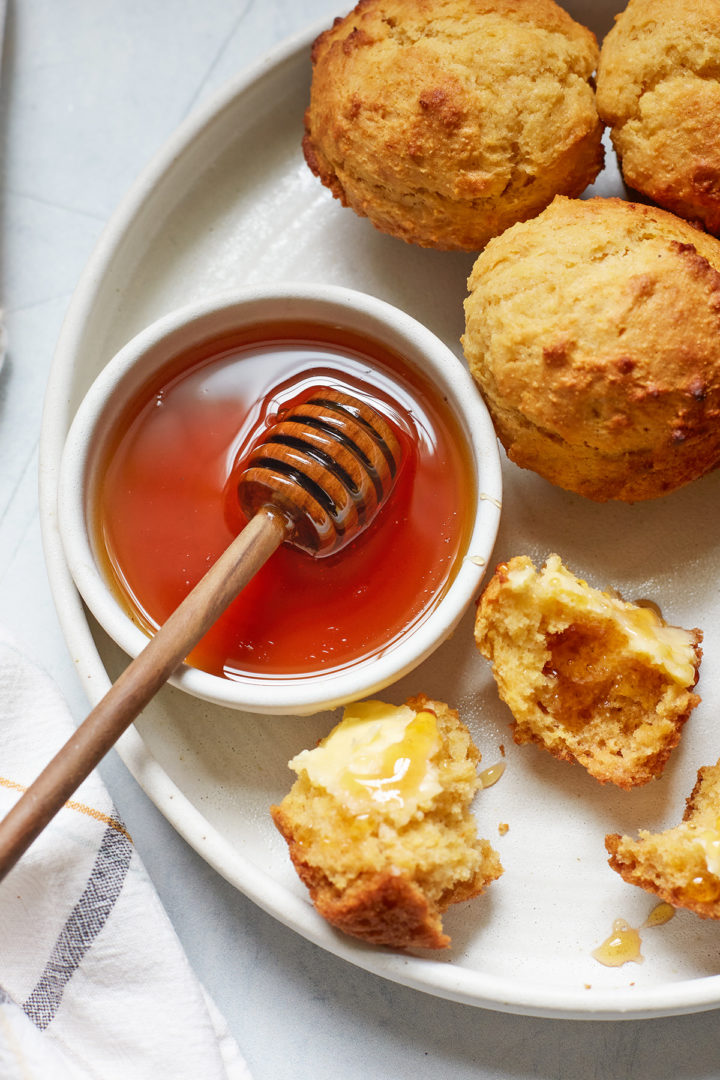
379 826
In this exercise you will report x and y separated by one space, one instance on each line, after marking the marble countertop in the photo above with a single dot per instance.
90 90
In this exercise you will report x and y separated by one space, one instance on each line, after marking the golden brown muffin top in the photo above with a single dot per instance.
651 41
659 88
450 56
599 322
447 102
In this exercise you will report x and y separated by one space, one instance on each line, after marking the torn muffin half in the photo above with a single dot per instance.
681 865
589 676
379 825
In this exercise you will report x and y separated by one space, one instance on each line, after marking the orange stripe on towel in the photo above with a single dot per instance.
81 807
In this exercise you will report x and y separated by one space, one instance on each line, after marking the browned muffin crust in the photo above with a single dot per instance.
444 122
658 88
593 332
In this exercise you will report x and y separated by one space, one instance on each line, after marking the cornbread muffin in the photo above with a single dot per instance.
658 88
593 332
681 865
445 122
378 822
586 675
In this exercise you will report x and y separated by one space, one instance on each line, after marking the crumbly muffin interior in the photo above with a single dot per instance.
681 864
586 675
385 869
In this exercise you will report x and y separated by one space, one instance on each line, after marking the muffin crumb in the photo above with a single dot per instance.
680 865
588 676
379 825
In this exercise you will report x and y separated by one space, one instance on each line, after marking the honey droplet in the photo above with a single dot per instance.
703 889
622 947
492 774
660 914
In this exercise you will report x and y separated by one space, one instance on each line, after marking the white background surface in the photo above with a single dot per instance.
91 89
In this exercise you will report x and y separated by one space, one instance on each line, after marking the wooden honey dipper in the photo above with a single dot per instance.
315 480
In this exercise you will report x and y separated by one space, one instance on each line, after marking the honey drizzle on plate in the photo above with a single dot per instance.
624 943
621 947
660 914
492 774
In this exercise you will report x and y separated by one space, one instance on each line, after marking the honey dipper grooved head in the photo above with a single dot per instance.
328 465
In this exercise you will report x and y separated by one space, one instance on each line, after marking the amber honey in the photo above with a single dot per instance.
166 507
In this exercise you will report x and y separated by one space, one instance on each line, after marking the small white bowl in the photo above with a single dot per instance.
179 332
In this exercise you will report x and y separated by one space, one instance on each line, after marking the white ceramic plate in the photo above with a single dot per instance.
229 201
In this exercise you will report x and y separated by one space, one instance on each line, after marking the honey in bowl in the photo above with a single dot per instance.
165 503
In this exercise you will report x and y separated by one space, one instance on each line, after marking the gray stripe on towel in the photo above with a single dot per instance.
82 927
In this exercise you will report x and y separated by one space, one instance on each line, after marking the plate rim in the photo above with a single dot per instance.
448 980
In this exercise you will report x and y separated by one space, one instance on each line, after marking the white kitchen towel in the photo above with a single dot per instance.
94 984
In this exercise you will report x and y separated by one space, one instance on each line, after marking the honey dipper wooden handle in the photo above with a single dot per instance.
138 683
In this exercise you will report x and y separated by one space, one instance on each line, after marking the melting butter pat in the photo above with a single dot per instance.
709 841
669 648
379 757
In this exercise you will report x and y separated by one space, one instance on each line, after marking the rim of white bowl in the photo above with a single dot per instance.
201 321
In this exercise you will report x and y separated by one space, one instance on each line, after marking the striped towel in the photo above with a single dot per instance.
93 981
